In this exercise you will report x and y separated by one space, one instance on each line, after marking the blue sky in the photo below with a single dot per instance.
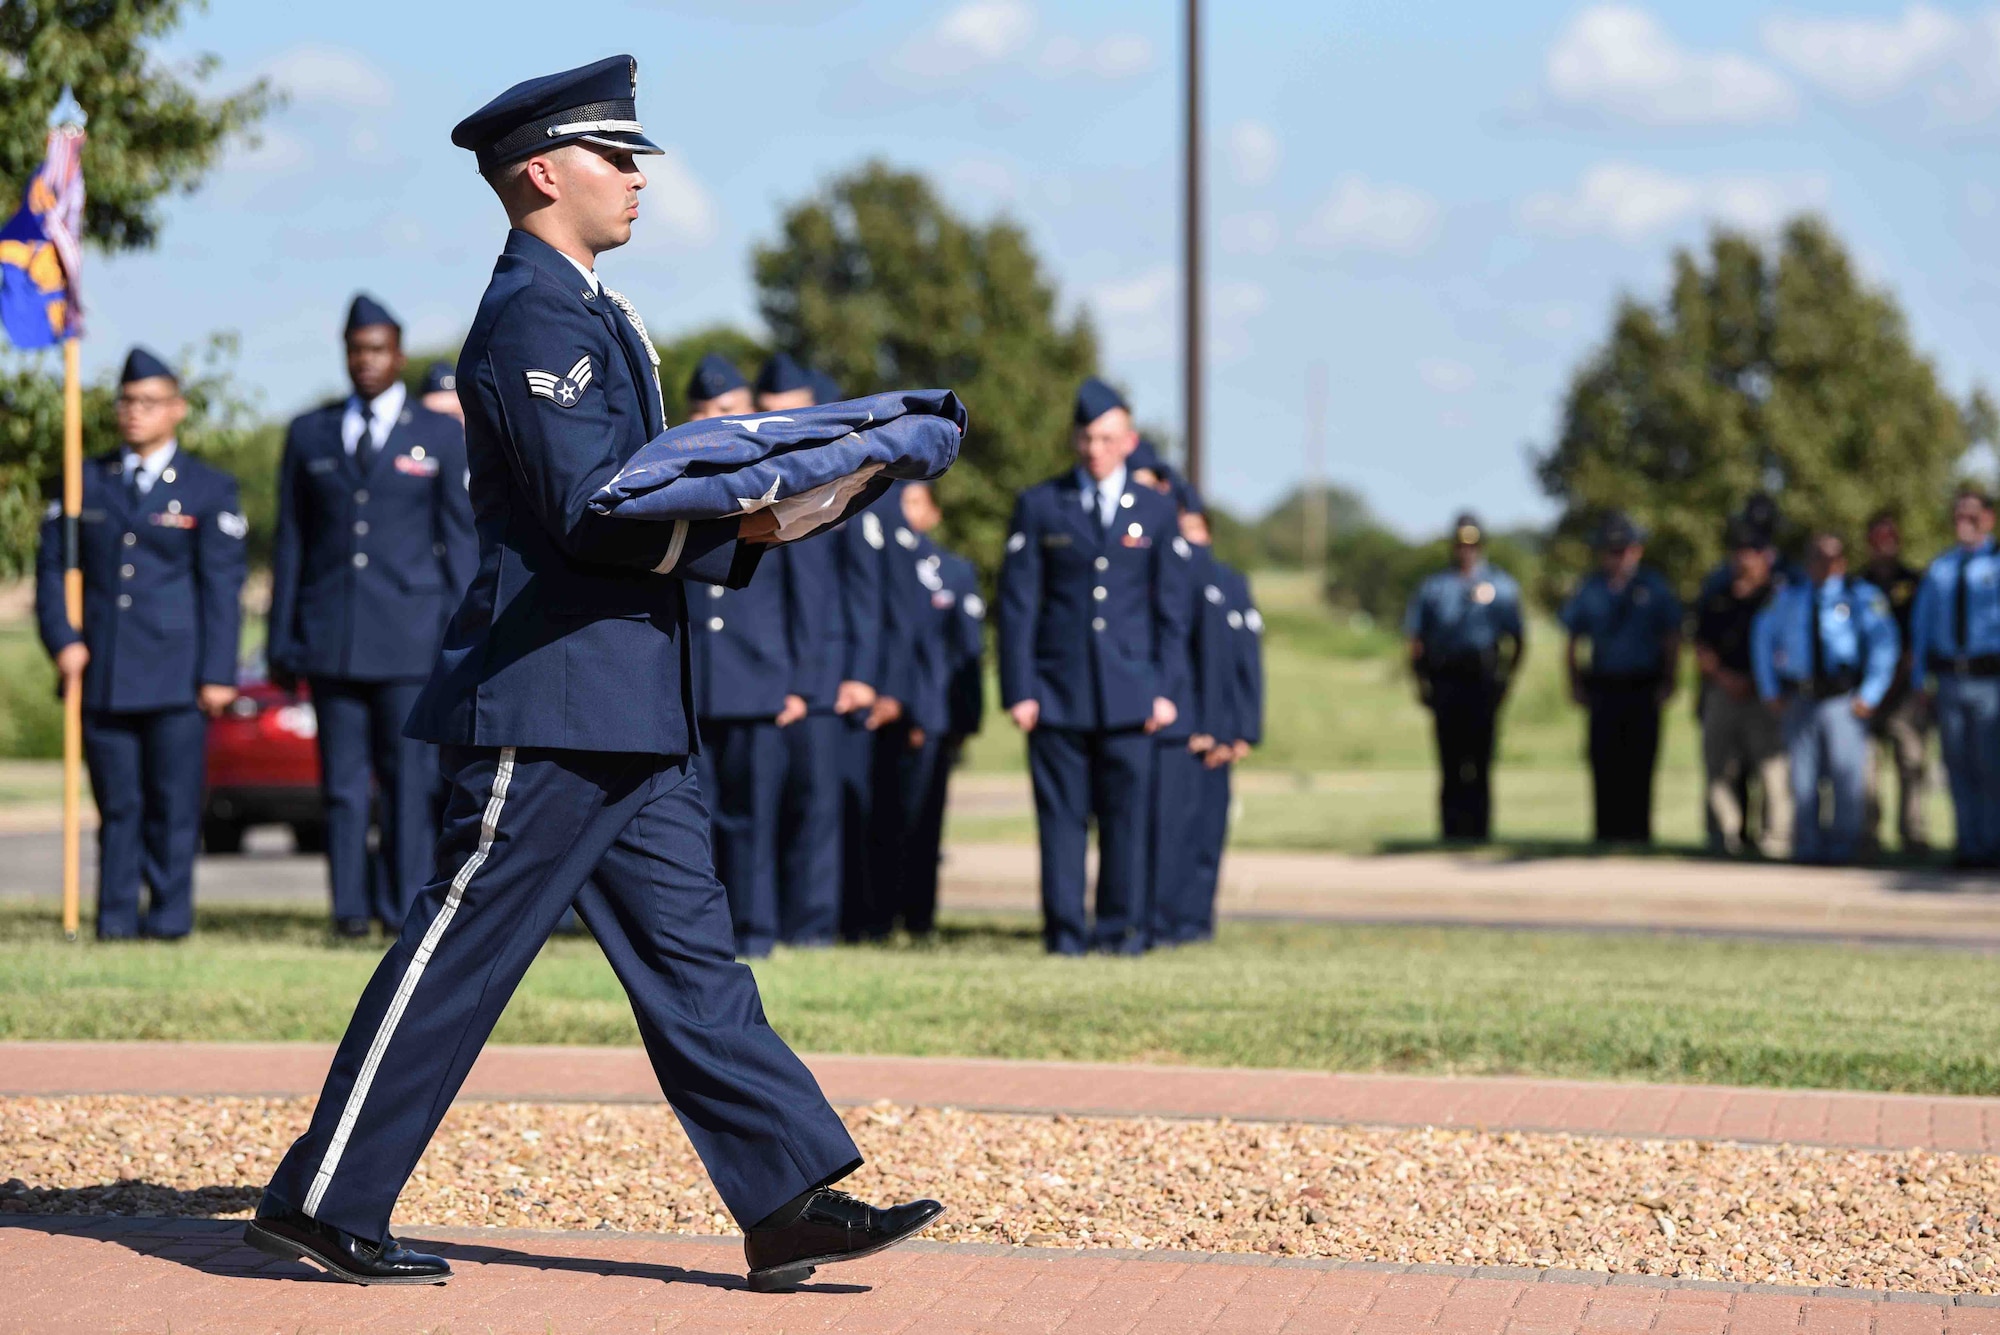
1438 203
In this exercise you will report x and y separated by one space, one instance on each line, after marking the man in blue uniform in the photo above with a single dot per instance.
1824 651
1466 640
161 549
755 651
562 698
1741 741
1233 713
1092 596
1902 726
1627 613
1956 629
942 708
439 391
374 547
840 581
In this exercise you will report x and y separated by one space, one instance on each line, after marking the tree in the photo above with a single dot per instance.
1777 371
876 281
1281 531
151 131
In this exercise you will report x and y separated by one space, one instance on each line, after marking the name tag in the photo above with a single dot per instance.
416 467
1056 540
321 465
166 520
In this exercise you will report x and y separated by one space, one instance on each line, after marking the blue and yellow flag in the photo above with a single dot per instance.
38 248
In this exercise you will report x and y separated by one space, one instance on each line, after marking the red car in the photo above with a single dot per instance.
263 769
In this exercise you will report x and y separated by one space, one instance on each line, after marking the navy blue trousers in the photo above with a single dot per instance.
924 788
742 768
1211 826
625 838
1173 843
362 751
863 910
1079 776
147 772
809 832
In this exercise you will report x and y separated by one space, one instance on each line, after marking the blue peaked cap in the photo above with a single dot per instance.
782 373
141 364
596 103
824 387
714 376
438 377
1094 398
1185 496
1145 455
365 311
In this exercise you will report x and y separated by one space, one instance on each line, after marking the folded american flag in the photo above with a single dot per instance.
811 467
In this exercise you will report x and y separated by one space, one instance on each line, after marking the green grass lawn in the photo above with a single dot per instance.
1317 997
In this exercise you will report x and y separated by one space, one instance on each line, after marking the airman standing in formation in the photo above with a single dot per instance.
1955 630
1902 725
373 549
161 550
1466 640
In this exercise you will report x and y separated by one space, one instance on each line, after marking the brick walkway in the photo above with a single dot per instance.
90 1276
530 1074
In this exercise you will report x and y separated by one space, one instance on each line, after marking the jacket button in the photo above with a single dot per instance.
124 600
715 623
360 527
126 572
437 549
1103 563
360 560
1100 593
1097 623
715 590
131 539
361 497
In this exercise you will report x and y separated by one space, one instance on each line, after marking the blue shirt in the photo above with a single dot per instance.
1857 634
1629 628
1463 616
1933 622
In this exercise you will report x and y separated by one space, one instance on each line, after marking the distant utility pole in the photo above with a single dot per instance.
1191 272
1312 534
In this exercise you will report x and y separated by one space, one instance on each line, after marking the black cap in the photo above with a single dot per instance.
714 376
1762 512
1740 533
824 387
141 364
1146 455
365 311
439 377
1094 398
1465 530
1618 531
595 103
781 374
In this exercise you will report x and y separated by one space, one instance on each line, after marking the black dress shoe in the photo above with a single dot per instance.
822 1227
297 1236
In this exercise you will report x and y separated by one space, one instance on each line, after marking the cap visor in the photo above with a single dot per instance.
629 142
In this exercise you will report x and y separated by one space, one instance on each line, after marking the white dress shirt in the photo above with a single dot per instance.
589 275
145 471
1102 497
380 417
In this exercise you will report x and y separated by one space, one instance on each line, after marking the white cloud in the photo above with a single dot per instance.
1863 60
1629 202
1119 56
1445 376
1253 152
985 181
1233 305
975 34
1363 215
1253 233
276 153
675 209
1618 59
331 75
1136 313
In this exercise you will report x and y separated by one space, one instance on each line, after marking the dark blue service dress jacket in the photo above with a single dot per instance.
162 580
755 646
1090 614
369 561
574 631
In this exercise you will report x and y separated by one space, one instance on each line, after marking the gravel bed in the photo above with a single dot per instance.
1692 1209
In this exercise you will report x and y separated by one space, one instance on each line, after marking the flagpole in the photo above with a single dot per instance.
72 507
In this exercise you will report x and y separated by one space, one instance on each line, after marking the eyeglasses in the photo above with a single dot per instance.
147 402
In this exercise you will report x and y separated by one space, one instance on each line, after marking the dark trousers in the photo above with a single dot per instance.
865 911
362 755
1624 745
625 838
1079 776
146 771
809 831
1211 826
1172 843
742 768
1464 710
909 823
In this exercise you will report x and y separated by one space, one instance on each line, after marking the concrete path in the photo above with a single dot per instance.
608 1075
94 1275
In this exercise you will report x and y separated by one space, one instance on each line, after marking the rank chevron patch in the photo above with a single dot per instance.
562 390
